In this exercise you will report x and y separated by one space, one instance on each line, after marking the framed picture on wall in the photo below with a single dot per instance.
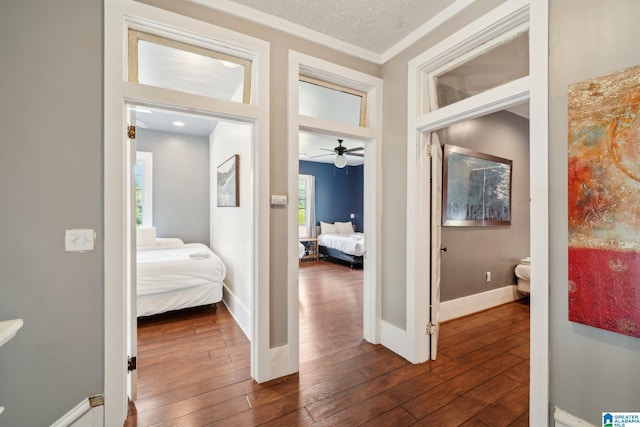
476 188
228 190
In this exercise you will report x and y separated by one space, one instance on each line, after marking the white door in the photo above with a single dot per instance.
436 243
130 280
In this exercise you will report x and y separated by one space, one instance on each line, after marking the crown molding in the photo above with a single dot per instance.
259 17
262 18
433 23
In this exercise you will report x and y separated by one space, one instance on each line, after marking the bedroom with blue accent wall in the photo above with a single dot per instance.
339 192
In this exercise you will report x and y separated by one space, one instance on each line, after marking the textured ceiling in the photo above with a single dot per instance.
372 25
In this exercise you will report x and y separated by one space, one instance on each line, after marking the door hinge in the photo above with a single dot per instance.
431 329
132 363
429 150
131 132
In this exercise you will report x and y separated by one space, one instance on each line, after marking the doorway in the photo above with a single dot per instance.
175 162
331 230
120 16
368 134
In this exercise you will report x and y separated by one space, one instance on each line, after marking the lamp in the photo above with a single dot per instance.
340 161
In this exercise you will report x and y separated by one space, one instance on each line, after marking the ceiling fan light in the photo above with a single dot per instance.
340 161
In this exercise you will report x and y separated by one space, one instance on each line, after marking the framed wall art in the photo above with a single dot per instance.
604 202
228 189
476 188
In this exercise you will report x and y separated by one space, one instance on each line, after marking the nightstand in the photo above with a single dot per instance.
311 249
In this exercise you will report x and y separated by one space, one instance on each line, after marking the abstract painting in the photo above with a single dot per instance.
604 202
228 193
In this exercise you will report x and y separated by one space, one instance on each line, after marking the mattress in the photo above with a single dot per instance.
208 293
523 273
169 268
352 244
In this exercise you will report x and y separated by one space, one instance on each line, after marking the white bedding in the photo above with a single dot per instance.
177 276
523 273
301 250
352 244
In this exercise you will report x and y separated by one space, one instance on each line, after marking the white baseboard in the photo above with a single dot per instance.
82 415
239 312
473 303
564 419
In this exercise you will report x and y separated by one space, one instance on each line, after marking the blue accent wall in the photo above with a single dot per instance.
339 192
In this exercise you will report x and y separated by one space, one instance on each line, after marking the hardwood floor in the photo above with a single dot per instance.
193 368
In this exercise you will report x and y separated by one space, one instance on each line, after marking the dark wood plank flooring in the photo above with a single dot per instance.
193 368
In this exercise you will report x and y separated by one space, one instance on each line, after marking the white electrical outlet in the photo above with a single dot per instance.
487 276
79 240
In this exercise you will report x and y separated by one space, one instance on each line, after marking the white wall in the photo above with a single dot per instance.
231 231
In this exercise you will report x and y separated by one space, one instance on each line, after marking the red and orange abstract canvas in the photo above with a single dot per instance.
604 202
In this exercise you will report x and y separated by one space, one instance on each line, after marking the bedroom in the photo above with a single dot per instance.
185 151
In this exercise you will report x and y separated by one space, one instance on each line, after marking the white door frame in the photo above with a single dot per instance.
119 15
371 135
533 88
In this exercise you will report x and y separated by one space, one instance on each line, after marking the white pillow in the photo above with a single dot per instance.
326 228
146 237
344 227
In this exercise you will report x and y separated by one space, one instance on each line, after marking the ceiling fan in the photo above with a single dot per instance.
340 160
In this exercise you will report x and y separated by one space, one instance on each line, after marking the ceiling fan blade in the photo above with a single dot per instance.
326 149
354 149
355 154
321 155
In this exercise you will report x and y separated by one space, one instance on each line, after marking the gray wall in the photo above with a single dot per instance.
394 159
592 370
472 251
50 180
181 191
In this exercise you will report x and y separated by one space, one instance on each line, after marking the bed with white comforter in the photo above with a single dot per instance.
351 244
172 275
340 241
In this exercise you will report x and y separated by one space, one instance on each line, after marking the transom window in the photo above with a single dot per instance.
331 101
171 64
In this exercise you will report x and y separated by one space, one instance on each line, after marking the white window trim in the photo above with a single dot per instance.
147 190
372 135
119 16
534 88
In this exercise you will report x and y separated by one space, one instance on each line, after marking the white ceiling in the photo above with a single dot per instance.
375 26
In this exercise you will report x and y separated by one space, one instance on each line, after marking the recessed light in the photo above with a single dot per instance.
178 123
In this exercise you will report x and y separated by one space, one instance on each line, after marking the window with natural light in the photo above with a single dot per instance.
306 206
330 101
170 64
144 189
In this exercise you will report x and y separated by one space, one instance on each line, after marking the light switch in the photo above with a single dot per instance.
278 200
79 240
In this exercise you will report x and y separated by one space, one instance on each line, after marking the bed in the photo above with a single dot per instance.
339 241
172 275
301 250
523 275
